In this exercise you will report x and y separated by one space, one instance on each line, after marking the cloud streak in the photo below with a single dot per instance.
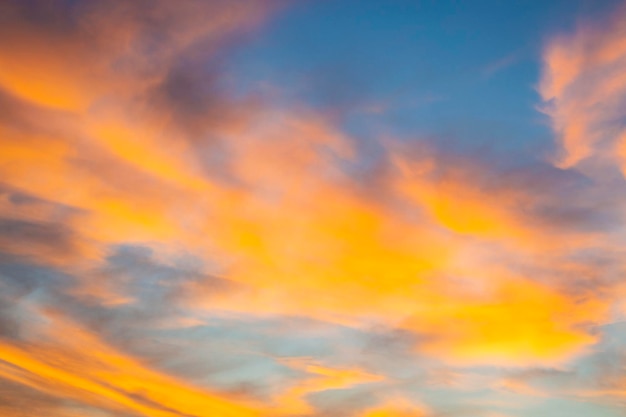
584 86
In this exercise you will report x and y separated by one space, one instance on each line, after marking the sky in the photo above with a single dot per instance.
312 208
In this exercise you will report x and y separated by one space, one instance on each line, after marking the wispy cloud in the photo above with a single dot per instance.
584 87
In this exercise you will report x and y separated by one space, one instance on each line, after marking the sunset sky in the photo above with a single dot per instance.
312 208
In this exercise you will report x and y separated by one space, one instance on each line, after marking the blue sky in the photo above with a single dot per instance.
464 70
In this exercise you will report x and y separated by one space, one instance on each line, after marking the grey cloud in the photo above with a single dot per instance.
345 402
52 237
17 400
22 285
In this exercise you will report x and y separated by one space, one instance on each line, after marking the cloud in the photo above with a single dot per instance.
584 87
18 400
98 375
170 248
501 64
40 238
297 235
397 408
319 379
107 49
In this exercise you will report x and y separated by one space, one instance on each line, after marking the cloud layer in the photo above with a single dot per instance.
169 247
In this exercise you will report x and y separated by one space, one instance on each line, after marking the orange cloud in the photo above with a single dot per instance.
73 363
336 256
519 322
76 364
293 400
432 248
585 89
300 239
397 407
106 50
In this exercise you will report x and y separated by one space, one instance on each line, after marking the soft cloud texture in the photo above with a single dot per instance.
169 247
585 86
